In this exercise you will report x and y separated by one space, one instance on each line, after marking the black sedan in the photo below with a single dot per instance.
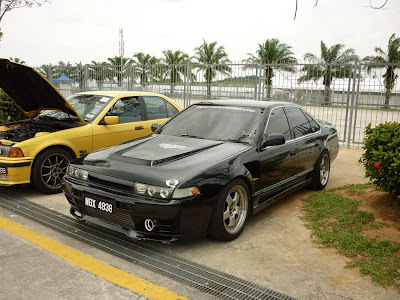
204 172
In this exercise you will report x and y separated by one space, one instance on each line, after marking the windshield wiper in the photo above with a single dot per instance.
239 140
191 136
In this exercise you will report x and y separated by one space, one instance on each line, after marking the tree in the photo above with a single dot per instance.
387 59
211 59
174 61
333 63
46 71
144 67
8 5
97 71
62 68
78 74
119 67
272 51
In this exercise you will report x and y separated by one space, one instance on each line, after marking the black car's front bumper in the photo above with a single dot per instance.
173 220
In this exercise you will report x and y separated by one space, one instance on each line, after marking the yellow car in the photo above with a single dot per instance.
39 149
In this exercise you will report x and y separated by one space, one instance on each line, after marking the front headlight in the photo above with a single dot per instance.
152 191
184 193
77 173
163 192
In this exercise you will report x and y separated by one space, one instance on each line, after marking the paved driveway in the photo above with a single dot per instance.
274 251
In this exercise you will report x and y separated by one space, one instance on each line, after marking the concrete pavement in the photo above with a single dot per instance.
275 251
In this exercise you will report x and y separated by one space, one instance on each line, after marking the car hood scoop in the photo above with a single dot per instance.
163 149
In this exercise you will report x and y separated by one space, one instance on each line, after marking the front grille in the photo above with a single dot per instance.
116 217
109 183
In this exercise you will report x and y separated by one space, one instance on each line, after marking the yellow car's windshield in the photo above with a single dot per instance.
87 106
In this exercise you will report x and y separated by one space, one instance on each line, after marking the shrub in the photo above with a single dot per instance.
8 110
381 158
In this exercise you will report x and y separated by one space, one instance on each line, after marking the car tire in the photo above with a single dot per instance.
230 211
321 171
49 168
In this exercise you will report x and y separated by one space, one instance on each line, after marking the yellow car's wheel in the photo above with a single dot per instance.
49 168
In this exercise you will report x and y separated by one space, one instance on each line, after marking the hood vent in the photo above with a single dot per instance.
153 163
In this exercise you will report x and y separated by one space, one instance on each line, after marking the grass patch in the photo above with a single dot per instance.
354 189
337 222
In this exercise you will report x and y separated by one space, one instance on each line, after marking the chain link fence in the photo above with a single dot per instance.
348 96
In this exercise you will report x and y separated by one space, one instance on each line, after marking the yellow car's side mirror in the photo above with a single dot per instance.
111 120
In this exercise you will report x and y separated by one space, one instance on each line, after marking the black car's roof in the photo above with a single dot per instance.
246 103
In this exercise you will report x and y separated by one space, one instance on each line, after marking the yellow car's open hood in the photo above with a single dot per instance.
31 91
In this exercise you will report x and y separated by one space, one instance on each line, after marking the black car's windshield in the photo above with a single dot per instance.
87 106
220 123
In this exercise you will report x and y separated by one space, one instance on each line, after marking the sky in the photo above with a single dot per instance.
80 31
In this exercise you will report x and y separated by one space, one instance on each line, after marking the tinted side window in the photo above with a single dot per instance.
278 123
314 124
127 109
301 125
156 107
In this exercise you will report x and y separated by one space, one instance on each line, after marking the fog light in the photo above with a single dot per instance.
150 224
3 177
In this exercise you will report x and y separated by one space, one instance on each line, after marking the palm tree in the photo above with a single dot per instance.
62 68
387 60
119 67
46 70
175 62
78 74
333 63
211 59
272 51
97 71
144 67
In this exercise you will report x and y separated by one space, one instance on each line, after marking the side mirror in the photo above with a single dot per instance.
273 139
155 126
111 120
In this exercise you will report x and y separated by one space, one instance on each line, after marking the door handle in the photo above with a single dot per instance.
139 128
293 152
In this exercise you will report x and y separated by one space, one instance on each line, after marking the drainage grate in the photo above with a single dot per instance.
208 280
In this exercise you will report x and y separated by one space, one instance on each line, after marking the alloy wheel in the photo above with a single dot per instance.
53 170
235 212
324 170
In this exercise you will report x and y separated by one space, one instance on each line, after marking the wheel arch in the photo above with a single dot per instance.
70 151
247 181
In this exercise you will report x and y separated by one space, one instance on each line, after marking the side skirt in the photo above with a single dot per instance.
280 194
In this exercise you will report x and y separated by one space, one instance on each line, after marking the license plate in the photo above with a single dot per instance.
98 204
3 170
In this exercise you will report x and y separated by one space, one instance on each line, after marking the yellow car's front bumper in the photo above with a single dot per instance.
15 170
